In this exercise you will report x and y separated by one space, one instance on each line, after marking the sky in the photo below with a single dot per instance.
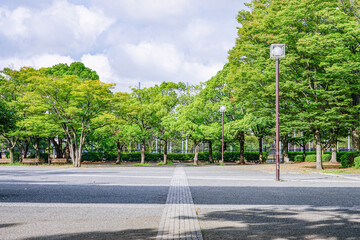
124 41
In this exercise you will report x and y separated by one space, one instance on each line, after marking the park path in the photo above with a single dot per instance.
179 219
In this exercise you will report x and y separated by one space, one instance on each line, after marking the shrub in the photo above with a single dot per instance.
182 157
298 158
293 154
347 159
326 157
16 156
310 158
357 162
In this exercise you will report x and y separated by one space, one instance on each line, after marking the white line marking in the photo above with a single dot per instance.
81 205
342 176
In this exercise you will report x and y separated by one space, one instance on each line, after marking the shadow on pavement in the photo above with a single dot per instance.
131 234
280 224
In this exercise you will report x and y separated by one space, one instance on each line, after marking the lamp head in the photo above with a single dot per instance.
277 51
222 108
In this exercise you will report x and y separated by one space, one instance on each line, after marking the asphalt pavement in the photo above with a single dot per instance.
231 202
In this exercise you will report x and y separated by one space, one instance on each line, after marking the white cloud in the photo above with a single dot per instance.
12 23
198 29
159 60
63 27
159 57
144 9
100 63
85 23
125 41
200 72
37 61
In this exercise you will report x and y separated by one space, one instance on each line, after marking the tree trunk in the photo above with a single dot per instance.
58 147
22 146
11 147
285 149
26 149
260 150
119 149
49 146
356 139
36 144
333 152
165 152
143 152
159 151
196 160
211 160
304 148
67 150
317 136
242 147
11 150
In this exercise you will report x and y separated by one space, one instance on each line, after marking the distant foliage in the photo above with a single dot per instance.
75 68
182 157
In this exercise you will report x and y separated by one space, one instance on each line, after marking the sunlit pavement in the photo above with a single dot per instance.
232 202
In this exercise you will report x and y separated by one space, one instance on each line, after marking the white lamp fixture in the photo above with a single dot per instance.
222 108
277 50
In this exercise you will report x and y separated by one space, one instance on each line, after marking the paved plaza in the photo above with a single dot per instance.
177 202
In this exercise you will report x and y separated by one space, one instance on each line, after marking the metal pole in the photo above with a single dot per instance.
277 122
222 138
182 145
156 146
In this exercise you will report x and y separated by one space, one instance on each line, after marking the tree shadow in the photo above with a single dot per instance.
6 225
271 224
131 234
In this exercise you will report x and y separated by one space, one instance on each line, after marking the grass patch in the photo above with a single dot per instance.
162 163
117 164
337 171
141 165
220 164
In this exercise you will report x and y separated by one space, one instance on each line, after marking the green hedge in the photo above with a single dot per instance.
292 155
347 159
326 157
155 157
43 156
16 155
298 158
310 158
357 162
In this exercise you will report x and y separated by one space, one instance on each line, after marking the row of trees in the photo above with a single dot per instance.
319 84
319 78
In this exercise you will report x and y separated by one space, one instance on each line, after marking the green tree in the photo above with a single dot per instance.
137 108
191 117
165 98
78 106
318 67
12 88
75 68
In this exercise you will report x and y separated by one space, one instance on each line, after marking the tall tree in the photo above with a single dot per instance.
136 108
318 67
77 105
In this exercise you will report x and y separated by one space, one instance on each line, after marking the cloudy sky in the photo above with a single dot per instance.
125 41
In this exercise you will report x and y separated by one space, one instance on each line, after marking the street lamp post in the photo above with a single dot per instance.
277 51
222 110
